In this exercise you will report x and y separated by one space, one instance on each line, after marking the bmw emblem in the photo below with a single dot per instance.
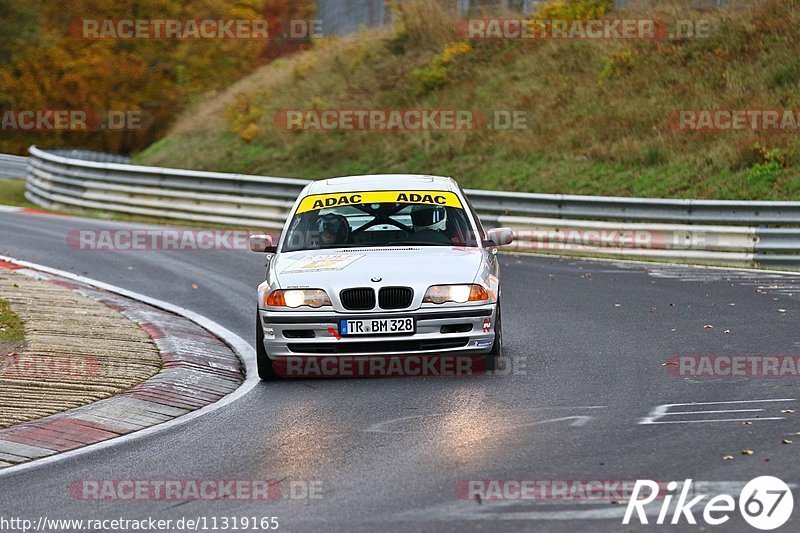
376 279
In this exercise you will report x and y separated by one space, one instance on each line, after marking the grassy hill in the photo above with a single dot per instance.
598 111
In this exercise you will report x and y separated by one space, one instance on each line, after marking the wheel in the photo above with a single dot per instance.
492 359
265 368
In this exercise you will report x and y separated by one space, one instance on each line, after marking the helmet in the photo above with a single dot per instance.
432 217
333 229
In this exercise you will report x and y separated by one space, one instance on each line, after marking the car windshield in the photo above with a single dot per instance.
440 222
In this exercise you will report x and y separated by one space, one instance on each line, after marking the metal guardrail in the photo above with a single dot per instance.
90 155
12 166
56 181
638 209
698 231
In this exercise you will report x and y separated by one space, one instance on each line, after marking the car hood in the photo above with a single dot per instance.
417 267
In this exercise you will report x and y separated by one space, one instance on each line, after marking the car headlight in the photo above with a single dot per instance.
297 298
439 294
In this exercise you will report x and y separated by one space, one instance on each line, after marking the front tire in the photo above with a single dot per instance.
492 360
265 369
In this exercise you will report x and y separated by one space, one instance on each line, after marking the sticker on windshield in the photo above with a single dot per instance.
320 201
322 263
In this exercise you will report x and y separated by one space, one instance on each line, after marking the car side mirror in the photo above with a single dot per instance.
263 244
499 237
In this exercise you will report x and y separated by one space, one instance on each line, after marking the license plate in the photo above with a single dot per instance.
376 326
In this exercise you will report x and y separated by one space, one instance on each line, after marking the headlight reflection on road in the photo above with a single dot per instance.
465 433
301 443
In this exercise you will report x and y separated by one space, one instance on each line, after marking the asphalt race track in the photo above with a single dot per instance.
586 339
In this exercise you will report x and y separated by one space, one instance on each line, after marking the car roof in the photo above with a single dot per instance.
382 182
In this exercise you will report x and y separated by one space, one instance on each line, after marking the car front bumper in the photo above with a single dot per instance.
451 330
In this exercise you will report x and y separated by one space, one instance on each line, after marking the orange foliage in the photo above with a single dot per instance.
45 65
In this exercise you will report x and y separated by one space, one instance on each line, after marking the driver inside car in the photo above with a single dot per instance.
333 230
430 223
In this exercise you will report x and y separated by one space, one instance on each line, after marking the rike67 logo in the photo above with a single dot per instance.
765 503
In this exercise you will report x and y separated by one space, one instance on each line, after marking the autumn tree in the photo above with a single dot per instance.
46 63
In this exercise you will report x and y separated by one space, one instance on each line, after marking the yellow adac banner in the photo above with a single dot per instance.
321 201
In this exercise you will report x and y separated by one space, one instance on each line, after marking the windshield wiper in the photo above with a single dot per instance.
373 245
414 243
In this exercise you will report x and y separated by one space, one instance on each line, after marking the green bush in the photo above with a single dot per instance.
436 75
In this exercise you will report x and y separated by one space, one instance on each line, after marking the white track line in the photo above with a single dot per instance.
243 349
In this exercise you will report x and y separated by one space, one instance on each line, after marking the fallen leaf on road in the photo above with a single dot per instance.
194 286
786 441
747 452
